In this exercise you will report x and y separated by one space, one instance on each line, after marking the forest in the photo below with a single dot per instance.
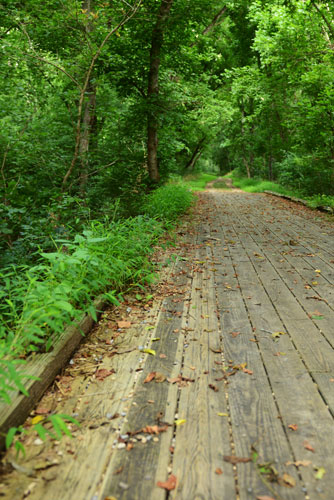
106 105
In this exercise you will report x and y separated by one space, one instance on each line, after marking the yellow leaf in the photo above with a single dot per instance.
320 473
180 421
149 351
155 339
314 282
117 34
317 271
37 420
222 414
277 335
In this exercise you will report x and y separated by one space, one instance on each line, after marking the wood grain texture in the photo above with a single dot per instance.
237 387
44 367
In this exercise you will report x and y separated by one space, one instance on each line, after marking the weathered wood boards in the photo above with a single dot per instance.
238 401
45 368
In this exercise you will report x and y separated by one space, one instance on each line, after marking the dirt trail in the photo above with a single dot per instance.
235 400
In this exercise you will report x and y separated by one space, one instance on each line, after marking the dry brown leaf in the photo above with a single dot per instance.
149 377
213 387
42 411
217 351
162 356
103 373
123 324
293 427
168 485
264 497
236 460
288 480
154 429
235 334
298 463
250 372
218 471
308 446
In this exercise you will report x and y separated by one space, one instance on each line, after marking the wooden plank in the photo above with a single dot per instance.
45 367
253 409
290 381
147 462
204 438
93 403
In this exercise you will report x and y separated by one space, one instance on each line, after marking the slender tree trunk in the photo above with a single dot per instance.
195 156
153 89
85 137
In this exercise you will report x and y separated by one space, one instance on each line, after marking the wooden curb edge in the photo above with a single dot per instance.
46 367
302 202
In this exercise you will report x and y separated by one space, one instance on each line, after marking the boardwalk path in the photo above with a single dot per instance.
246 328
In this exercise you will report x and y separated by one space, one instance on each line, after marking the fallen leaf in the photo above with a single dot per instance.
320 472
36 420
222 414
176 330
103 373
308 446
300 463
159 377
276 335
169 484
245 370
317 271
42 411
218 471
213 387
162 356
180 421
154 429
149 377
264 497
217 351
279 353
236 460
235 334
288 480
119 470
123 324
149 351
293 427
155 339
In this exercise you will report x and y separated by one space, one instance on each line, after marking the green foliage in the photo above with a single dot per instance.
53 426
37 302
167 203
198 181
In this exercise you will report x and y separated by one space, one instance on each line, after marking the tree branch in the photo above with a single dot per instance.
125 19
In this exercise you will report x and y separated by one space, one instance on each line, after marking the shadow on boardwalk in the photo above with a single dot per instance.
237 398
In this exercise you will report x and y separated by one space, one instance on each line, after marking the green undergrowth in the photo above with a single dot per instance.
106 258
198 181
168 202
256 185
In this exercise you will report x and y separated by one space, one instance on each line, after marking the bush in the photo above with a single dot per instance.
167 203
36 303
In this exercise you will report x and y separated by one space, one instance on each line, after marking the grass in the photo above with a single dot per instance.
198 181
256 185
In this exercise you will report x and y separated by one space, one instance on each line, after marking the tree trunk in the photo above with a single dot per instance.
195 156
153 89
86 129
